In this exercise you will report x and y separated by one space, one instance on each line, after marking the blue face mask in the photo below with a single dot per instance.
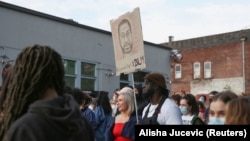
201 99
216 121
184 110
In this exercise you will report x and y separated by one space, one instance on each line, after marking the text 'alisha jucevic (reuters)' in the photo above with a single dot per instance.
207 132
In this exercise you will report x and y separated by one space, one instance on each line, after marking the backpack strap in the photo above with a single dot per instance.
153 119
158 109
146 113
197 120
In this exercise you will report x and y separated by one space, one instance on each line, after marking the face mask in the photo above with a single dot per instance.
201 99
202 111
184 110
113 106
216 121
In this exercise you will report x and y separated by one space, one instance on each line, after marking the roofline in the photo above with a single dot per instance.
65 21
48 16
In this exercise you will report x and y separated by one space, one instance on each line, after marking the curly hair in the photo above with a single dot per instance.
191 101
37 68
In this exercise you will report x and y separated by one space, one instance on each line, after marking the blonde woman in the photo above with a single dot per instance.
123 126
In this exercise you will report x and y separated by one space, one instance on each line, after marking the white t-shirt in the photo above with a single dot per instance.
186 119
169 113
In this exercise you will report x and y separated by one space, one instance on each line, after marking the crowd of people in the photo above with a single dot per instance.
36 105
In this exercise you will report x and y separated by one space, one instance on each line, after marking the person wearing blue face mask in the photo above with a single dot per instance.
216 121
217 107
202 99
184 110
190 110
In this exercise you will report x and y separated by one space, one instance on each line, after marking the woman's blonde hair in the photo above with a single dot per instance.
128 96
238 111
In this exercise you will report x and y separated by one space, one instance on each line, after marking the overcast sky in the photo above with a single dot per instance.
183 19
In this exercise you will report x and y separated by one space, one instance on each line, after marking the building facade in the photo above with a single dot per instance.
87 52
217 62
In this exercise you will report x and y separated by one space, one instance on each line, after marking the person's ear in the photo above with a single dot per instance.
156 87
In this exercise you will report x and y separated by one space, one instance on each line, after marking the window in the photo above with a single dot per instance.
197 70
124 80
80 74
70 72
177 71
207 69
87 76
138 78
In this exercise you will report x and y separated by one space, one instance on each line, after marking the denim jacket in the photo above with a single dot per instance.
102 122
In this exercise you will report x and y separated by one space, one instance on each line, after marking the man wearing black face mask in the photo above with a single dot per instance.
161 110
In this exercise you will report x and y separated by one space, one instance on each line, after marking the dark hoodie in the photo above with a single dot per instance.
58 119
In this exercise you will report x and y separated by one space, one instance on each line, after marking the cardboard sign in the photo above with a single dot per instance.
128 42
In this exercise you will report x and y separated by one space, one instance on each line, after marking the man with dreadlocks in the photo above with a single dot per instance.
161 110
36 107
5 77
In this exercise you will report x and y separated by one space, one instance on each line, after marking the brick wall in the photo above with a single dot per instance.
224 51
